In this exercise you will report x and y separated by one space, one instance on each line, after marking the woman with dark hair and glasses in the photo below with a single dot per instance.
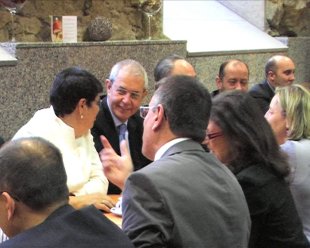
243 140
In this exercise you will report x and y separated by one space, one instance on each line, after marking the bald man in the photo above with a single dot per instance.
172 65
233 75
279 71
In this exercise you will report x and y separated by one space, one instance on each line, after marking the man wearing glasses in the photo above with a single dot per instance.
185 198
118 117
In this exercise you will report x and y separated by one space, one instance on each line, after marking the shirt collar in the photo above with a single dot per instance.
271 87
166 146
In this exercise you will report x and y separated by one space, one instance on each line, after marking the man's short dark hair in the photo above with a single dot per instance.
71 85
224 64
32 171
187 105
165 66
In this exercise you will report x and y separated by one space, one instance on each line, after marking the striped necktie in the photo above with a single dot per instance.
122 132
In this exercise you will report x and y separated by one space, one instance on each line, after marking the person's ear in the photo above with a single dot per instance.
108 85
81 107
271 75
9 205
144 94
219 83
159 117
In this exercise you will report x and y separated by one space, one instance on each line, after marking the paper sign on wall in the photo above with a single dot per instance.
64 28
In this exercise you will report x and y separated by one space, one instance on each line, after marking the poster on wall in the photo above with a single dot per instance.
64 28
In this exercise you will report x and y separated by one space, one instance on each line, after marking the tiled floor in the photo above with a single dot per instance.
209 26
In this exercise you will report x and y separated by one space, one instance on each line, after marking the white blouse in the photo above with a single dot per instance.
84 170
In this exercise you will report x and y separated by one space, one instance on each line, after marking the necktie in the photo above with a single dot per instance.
122 131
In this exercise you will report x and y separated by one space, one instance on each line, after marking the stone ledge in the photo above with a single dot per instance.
234 52
25 87
100 43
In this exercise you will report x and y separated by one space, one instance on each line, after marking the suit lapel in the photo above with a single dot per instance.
268 90
109 126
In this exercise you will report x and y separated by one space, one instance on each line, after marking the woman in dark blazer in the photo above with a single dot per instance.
243 140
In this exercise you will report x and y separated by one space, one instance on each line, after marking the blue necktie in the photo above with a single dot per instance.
122 131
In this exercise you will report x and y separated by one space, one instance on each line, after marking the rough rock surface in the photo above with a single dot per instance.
32 23
288 17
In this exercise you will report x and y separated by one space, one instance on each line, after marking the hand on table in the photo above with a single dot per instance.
116 168
100 201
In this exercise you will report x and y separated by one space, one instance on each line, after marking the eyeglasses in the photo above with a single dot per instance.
134 95
144 110
211 136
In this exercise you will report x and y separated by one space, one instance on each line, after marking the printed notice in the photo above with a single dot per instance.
69 28
64 28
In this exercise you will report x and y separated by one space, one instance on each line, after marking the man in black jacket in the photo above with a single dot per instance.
233 75
126 89
279 71
34 202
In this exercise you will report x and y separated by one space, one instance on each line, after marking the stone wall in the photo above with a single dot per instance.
32 23
25 86
288 17
276 17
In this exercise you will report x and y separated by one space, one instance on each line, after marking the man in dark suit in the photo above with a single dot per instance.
34 202
186 197
279 71
126 88
233 75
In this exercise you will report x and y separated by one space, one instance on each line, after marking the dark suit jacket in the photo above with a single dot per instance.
263 94
67 227
104 125
185 199
214 93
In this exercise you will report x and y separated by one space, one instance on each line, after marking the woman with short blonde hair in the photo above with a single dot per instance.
289 113
295 102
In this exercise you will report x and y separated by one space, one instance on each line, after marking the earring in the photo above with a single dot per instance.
82 116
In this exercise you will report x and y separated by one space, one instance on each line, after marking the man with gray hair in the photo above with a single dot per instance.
34 202
118 117
279 72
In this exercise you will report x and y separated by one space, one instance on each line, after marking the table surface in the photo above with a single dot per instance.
113 217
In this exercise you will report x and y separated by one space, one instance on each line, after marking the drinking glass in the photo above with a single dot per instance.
13 6
150 8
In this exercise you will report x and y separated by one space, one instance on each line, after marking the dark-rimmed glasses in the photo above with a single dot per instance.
211 136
